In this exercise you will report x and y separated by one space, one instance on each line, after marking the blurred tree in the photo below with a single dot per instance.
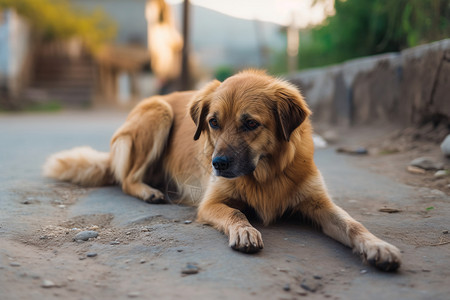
361 28
57 19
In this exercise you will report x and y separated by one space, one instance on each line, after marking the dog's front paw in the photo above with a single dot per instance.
155 197
151 195
382 255
246 239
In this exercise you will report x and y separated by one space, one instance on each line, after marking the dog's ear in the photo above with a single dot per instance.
200 106
291 110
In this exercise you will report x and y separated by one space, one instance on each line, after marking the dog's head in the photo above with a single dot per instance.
246 119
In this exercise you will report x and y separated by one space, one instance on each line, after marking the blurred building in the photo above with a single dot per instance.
15 45
123 71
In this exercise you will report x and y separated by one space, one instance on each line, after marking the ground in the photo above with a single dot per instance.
142 249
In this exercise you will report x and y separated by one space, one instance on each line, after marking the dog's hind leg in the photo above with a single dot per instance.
138 145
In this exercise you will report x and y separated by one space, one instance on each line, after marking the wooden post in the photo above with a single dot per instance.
185 78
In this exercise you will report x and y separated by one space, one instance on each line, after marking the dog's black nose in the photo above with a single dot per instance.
221 163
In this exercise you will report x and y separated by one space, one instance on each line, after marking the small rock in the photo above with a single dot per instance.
318 277
438 193
389 210
190 269
187 222
179 250
426 163
356 151
363 272
310 285
287 287
415 170
14 264
61 206
114 243
445 232
91 254
133 294
128 233
43 237
47 284
85 235
285 270
441 173
142 261
445 146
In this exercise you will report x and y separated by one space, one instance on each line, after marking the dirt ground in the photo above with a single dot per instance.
142 250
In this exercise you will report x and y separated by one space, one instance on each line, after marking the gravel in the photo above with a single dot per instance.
190 269
47 284
426 163
85 235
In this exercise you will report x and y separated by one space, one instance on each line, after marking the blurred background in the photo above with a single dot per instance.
108 53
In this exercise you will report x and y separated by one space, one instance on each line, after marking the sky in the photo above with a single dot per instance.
280 12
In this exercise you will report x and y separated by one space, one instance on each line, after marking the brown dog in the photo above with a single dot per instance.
250 146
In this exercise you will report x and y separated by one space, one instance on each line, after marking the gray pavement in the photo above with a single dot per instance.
142 248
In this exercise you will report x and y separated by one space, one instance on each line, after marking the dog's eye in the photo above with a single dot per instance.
251 124
213 123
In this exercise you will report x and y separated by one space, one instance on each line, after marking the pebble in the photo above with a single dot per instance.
47 284
190 269
389 210
310 285
426 163
287 287
415 170
85 235
14 264
114 243
441 173
133 294
445 232
356 151
445 146
187 222
143 261
317 277
91 254
363 272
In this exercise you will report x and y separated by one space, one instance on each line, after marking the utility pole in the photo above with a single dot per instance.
293 41
185 76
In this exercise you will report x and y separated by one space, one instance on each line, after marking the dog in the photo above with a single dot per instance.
245 142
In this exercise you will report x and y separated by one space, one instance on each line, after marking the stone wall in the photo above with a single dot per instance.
407 88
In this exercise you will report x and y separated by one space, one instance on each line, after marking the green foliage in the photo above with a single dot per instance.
223 72
57 19
361 28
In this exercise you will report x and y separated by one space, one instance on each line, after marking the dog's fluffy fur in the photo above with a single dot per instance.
250 145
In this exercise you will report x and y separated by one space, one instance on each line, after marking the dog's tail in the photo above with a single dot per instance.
82 165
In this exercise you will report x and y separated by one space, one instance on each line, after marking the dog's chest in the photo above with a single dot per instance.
270 200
